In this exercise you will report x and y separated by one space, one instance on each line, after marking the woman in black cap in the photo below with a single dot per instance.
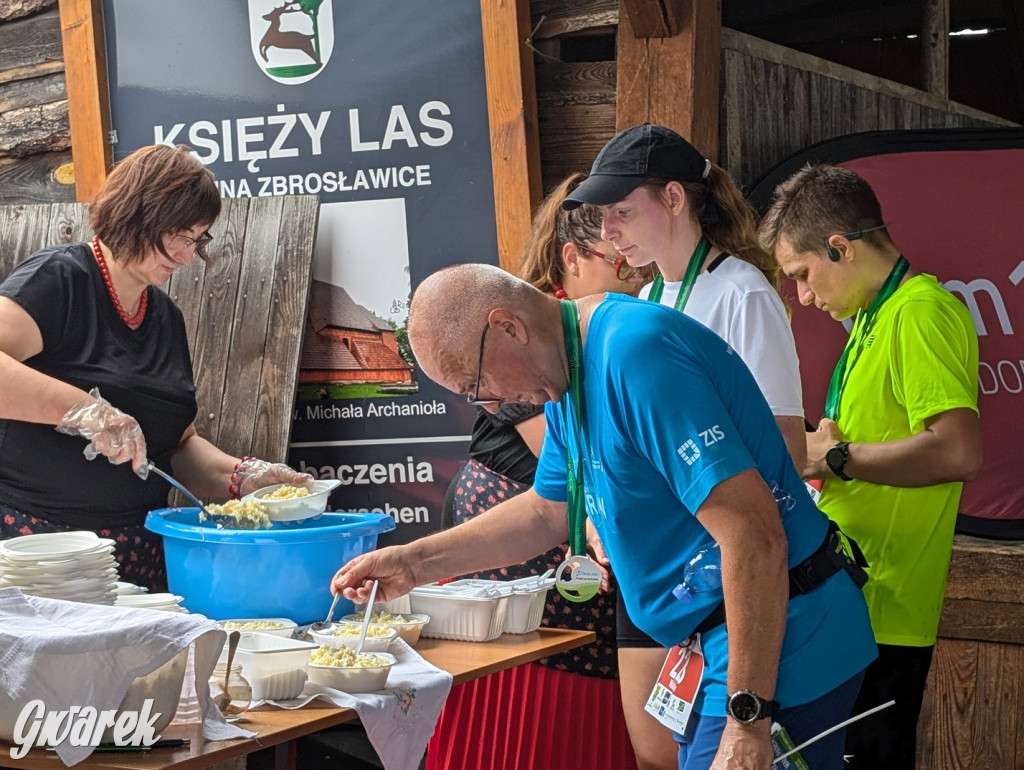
663 202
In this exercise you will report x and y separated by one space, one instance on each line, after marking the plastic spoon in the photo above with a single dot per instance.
366 619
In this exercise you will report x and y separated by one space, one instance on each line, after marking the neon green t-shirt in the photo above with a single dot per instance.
919 360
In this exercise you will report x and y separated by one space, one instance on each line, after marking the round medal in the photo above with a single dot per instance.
578 579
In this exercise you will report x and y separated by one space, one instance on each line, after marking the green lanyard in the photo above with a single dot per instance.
858 334
693 268
572 412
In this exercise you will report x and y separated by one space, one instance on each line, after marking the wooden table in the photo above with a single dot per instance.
276 727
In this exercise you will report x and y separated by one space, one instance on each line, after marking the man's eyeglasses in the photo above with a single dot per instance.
623 270
475 400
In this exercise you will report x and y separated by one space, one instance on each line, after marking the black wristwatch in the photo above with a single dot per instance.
747 707
836 458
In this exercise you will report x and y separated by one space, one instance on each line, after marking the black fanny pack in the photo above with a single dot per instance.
830 557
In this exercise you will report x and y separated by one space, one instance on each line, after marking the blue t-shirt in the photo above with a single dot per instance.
670 410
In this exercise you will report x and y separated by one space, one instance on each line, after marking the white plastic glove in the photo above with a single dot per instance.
253 474
110 432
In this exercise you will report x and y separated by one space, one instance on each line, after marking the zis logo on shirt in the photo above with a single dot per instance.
689 452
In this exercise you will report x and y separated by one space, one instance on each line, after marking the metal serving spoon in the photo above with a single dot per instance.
320 625
229 522
180 487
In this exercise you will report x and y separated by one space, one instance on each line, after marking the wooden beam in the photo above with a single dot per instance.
673 81
654 18
512 114
935 47
982 621
85 68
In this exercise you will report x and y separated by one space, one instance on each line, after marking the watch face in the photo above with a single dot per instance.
744 707
835 459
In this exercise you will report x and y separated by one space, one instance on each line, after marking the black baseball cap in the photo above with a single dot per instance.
633 155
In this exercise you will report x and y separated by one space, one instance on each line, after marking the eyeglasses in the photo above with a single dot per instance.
475 400
182 242
623 270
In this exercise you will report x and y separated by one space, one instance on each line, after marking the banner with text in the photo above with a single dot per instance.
380 109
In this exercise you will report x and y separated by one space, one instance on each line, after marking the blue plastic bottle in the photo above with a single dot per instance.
702 574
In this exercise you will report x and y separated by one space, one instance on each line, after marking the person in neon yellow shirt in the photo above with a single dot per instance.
900 434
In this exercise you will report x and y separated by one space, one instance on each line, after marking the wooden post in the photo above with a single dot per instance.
512 114
935 48
671 80
85 70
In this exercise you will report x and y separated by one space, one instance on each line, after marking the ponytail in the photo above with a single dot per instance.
729 221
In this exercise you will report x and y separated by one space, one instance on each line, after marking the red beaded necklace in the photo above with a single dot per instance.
133 320
559 291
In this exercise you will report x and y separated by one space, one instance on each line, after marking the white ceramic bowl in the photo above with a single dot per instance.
372 643
353 680
295 508
274 626
408 631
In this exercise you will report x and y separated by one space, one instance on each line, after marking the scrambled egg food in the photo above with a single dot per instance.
387 617
247 514
252 625
353 629
343 657
286 492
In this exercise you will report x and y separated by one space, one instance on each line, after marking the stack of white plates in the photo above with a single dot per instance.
129 588
75 566
166 602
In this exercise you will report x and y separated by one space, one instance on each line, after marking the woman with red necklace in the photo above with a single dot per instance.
514 716
89 344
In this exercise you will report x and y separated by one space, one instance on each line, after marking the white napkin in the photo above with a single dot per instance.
399 720
72 654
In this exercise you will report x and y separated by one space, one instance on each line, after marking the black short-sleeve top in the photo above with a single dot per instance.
145 372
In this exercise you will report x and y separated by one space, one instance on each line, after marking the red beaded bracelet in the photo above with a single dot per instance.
236 478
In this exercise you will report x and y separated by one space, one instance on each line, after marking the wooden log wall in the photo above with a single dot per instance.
35 138
973 713
777 101
774 100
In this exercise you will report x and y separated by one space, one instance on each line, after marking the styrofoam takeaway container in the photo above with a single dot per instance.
463 618
525 610
526 599
275 667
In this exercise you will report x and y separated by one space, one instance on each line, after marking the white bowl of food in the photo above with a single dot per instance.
291 502
408 625
273 626
340 669
378 637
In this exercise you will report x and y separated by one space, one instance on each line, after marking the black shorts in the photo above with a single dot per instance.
626 633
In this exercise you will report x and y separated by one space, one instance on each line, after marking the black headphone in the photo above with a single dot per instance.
833 252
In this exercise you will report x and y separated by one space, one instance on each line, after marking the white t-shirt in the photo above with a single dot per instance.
737 303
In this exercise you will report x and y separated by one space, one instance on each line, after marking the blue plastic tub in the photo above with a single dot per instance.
282 572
